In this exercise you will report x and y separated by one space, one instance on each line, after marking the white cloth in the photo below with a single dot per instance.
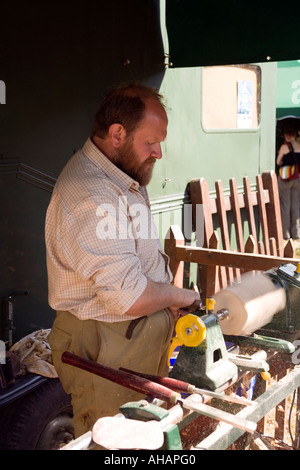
34 354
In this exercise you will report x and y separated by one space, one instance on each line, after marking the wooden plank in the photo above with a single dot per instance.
194 190
173 240
261 425
223 224
236 215
250 247
261 248
273 246
199 194
209 257
262 213
249 207
289 249
212 281
273 210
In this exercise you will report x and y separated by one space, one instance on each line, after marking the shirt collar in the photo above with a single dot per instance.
118 176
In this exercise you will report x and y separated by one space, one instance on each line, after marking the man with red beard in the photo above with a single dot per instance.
109 279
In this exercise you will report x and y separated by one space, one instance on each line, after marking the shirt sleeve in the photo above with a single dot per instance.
97 246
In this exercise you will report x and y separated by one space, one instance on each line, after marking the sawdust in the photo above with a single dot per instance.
196 431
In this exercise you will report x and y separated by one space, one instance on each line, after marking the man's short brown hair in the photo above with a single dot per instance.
124 104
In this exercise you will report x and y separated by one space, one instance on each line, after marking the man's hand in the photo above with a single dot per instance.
158 296
180 312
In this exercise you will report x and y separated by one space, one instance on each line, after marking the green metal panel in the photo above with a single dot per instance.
190 151
288 89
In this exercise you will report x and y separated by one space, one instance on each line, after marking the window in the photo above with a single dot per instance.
231 97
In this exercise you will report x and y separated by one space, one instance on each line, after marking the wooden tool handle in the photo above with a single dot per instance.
125 379
174 384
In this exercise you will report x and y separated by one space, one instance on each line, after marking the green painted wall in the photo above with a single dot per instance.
191 152
288 89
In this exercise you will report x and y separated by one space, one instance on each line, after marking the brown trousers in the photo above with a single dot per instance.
92 396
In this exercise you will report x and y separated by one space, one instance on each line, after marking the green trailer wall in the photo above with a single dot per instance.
288 89
190 151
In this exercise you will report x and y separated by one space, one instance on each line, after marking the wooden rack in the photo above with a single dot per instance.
257 231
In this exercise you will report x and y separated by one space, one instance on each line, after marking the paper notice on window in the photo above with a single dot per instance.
245 104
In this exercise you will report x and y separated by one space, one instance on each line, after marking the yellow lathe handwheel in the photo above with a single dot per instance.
190 330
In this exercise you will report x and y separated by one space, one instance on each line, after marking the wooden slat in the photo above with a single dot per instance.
273 248
262 213
250 247
199 194
249 207
195 196
212 281
273 210
289 249
222 215
249 261
174 239
223 224
236 215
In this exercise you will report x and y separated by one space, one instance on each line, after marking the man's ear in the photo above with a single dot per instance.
117 135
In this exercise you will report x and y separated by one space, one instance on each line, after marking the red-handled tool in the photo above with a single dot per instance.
156 390
132 381
184 387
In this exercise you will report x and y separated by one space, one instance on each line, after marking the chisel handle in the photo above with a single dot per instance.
174 384
138 384
184 387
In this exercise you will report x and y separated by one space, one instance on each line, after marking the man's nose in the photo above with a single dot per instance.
156 151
